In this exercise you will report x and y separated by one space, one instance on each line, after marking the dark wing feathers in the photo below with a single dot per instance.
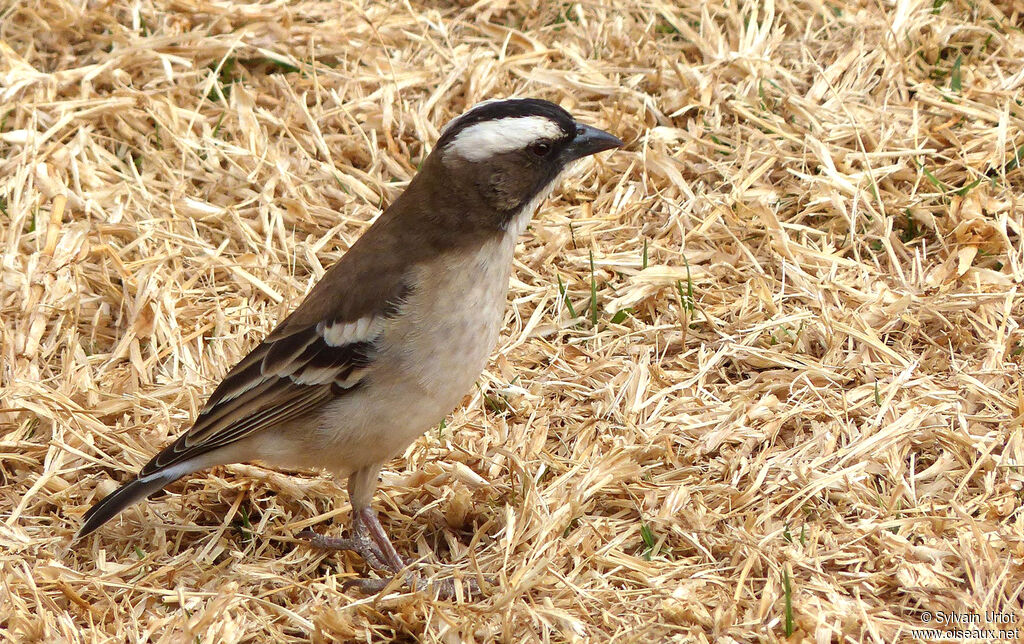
281 356
280 380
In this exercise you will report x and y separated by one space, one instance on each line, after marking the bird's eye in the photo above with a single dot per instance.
540 148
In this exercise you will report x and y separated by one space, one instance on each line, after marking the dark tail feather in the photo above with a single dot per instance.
124 496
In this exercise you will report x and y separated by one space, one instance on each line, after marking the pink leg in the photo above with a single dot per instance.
369 540
380 537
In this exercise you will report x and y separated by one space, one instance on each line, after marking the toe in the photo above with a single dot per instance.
368 586
361 545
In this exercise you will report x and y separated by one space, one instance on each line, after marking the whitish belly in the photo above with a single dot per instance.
433 353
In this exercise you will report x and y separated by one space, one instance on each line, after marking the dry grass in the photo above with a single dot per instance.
816 377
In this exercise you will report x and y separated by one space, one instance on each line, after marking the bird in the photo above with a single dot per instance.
395 334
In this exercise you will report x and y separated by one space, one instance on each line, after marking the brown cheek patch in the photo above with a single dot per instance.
507 191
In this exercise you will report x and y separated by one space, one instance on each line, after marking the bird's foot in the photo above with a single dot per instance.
359 543
370 541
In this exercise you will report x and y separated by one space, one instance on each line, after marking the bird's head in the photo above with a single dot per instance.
510 152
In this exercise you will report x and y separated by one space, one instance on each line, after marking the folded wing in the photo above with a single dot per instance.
287 376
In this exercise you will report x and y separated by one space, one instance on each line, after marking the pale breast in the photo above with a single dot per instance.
431 354
452 322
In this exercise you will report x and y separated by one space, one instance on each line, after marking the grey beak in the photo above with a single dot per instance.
589 140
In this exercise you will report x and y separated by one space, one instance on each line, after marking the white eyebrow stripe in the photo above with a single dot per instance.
488 138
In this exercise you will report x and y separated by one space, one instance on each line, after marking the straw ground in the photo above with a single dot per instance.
761 370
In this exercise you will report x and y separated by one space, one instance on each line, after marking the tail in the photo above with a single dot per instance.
124 496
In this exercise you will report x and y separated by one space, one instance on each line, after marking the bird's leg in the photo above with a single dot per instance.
445 588
369 540
360 542
368 518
